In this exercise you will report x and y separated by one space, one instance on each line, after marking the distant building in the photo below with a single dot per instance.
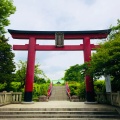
58 81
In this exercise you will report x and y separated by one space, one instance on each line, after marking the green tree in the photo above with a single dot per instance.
106 60
74 73
115 30
6 9
7 66
39 76
99 86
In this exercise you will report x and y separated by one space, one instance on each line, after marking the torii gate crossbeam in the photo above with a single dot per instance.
32 47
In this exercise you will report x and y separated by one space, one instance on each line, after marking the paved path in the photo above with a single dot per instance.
58 94
56 104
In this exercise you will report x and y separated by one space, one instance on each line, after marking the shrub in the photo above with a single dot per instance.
2 87
40 89
74 88
15 87
99 86
82 90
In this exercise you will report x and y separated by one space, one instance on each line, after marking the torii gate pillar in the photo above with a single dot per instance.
88 80
30 70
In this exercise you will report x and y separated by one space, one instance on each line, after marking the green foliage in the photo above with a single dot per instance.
7 66
2 87
115 30
6 9
82 90
99 86
74 88
15 87
40 89
39 80
48 81
21 74
74 73
106 60
77 89
39 76
75 78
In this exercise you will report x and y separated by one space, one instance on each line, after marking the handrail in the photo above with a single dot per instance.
10 97
111 98
68 90
49 92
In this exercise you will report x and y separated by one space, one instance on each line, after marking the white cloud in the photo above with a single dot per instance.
60 61
55 75
48 15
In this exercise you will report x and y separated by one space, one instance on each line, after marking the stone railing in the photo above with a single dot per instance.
10 97
109 98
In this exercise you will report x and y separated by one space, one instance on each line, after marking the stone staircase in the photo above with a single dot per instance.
59 108
59 114
58 94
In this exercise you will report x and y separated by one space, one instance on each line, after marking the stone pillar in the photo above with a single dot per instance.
30 70
88 80
118 98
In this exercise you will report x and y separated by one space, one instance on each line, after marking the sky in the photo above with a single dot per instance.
61 15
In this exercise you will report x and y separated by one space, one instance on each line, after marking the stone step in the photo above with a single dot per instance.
59 112
58 94
60 119
58 109
58 116
7 113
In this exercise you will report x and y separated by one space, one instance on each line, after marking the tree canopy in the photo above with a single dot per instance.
74 73
7 66
20 75
106 60
6 9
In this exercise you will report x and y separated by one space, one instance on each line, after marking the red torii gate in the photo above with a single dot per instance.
32 47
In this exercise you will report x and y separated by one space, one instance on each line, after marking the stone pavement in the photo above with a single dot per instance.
57 104
58 94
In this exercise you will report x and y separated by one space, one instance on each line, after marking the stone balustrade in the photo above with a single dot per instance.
10 97
110 98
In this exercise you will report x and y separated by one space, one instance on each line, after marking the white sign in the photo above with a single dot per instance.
108 83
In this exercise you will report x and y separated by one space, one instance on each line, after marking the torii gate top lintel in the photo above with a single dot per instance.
92 34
